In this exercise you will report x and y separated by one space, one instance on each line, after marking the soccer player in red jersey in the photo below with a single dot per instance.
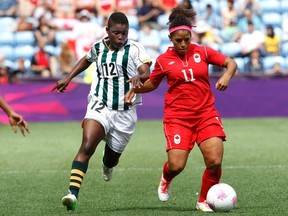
189 113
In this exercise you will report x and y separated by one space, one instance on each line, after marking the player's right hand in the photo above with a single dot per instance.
60 85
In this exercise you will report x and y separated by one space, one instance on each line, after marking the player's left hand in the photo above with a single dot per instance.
222 83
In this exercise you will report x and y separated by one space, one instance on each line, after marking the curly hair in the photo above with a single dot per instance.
180 20
180 9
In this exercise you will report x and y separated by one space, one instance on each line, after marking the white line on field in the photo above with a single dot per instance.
133 169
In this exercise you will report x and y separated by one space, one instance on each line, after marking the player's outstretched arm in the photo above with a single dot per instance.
81 66
15 119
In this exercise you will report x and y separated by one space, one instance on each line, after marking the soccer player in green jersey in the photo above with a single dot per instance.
120 64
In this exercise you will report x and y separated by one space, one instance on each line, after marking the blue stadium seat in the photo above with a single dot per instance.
164 36
62 36
24 38
162 20
7 38
272 18
284 6
133 21
7 24
24 51
268 6
230 48
284 49
7 51
164 46
269 61
241 64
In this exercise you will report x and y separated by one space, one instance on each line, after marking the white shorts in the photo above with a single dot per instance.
119 125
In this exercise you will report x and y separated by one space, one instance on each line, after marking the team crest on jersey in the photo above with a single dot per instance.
177 139
171 62
197 58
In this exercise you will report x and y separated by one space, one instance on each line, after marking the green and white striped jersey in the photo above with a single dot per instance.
113 69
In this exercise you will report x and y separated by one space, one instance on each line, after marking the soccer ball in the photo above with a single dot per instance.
221 197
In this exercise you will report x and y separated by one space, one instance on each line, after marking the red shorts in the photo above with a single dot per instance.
182 134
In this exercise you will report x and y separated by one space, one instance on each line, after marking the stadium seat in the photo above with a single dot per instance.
268 6
272 18
7 38
24 51
7 51
133 21
284 6
62 36
230 48
24 38
164 46
284 49
269 61
241 64
164 36
162 20
7 24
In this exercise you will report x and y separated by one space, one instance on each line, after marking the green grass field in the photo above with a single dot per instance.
34 171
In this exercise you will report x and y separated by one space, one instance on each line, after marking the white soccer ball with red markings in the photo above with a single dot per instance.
221 197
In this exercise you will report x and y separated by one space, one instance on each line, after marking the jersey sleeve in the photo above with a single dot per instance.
215 57
157 74
140 55
91 55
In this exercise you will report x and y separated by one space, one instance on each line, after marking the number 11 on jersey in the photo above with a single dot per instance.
189 76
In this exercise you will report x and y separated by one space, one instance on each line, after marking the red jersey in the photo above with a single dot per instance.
189 95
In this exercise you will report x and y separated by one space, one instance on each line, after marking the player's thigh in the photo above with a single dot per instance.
123 126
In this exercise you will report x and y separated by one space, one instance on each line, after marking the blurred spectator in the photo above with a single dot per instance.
43 64
205 35
211 17
45 33
253 5
86 33
64 9
89 5
66 59
149 13
228 13
272 42
251 40
150 39
186 4
20 70
254 64
25 8
167 5
249 16
129 7
23 24
8 8
4 74
105 7
231 32
44 8
277 70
